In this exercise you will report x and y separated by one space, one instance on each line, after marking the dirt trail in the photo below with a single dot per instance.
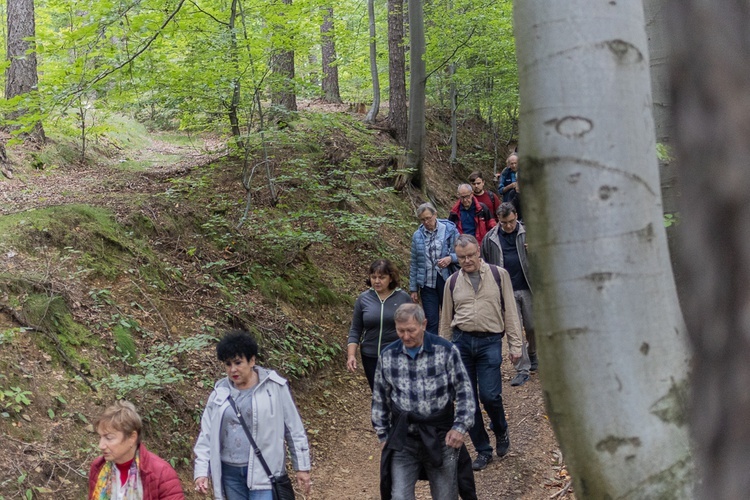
335 405
104 185
346 456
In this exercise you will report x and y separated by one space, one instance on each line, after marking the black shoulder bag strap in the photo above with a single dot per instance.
252 441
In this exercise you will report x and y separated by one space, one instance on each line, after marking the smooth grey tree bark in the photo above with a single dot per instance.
21 75
397 111
330 67
372 114
417 84
710 62
612 344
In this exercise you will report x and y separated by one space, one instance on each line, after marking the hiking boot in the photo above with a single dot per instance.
519 379
503 444
481 462
534 362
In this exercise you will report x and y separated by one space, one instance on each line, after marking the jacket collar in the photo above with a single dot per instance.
223 387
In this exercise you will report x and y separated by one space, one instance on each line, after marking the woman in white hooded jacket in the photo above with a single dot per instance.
223 451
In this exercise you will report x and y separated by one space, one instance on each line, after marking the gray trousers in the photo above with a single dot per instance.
526 315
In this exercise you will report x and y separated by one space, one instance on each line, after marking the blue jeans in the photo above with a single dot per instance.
234 483
432 299
482 358
405 467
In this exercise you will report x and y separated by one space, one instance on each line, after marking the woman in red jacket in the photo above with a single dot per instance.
127 470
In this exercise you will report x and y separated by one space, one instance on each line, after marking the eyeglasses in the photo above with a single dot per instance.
508 222
428 218
465 197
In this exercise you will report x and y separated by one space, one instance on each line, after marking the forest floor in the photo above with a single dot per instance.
335 404
346 453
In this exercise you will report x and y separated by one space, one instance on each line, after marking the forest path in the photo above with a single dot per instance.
113 185
346 455
335 404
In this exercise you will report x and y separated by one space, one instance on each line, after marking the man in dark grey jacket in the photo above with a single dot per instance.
505 246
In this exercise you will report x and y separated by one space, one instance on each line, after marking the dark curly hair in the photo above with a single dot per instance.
384 266
236 344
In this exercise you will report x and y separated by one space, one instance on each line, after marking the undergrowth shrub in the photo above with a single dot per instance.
299 352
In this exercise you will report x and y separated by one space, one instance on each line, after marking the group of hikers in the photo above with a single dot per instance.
430 356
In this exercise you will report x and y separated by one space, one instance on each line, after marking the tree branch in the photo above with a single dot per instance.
208 14
104 74
458 47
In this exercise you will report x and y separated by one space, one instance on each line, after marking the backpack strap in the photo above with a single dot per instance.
452 282
498 281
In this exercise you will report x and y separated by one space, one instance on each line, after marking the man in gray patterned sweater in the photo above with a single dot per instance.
418 381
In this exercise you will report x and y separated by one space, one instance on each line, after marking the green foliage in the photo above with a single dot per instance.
125 345
51 314
671 219
299 353
302 286
14 399
161 367
148 59
477 37
664 153
353 227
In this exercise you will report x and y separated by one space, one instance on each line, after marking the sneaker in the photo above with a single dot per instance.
534 362
503 444
519 379
481 462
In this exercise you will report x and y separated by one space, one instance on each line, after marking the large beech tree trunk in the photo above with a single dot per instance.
711 90
397 111
21 76
330 67
612 345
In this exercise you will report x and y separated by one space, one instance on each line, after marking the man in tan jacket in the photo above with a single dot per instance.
478 310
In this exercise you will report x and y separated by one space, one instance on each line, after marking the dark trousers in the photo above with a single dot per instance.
369 364
432 299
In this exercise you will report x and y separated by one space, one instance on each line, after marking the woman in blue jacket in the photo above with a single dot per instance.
432 258
373 328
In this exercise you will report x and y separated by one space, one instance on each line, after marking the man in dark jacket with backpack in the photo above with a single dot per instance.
482 195
475 318
505 246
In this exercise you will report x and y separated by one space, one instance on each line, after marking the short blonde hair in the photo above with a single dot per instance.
121 416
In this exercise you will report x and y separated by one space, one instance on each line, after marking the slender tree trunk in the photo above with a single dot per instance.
417 83
397 111
282 64
612 343
330 64
710 62
234 103
454 117
21 76
373 113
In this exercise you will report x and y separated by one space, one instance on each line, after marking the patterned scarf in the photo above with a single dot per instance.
105 482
